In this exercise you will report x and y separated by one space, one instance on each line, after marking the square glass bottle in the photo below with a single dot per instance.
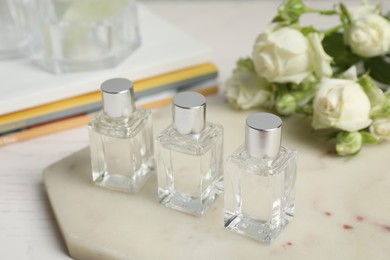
121 140
190 157
259 181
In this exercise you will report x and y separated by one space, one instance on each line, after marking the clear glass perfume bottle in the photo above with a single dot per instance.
190 157
259 181
121 139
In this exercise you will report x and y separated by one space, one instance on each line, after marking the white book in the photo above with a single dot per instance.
164 49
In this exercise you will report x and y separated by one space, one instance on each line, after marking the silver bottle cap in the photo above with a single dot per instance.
118 97
263 133
189 112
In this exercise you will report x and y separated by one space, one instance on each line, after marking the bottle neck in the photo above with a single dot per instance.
117 120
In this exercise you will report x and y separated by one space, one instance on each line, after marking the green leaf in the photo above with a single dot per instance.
387 16
281 89
379 68
326 12
368 138
382 111
308 29
345 17
277 19
342 56
373 92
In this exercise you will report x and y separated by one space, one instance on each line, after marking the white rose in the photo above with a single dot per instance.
380 128
369 36
286 55
245 90
282 56
341 104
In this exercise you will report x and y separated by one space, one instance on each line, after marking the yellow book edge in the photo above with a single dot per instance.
93 97
78 121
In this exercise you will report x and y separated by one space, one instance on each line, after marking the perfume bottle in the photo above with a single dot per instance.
121 139
259 181
190 157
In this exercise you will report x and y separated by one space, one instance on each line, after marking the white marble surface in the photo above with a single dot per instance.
340 207
27 226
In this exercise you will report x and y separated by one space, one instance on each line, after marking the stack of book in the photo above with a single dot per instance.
35 102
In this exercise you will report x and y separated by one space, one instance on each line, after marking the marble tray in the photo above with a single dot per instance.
342 207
